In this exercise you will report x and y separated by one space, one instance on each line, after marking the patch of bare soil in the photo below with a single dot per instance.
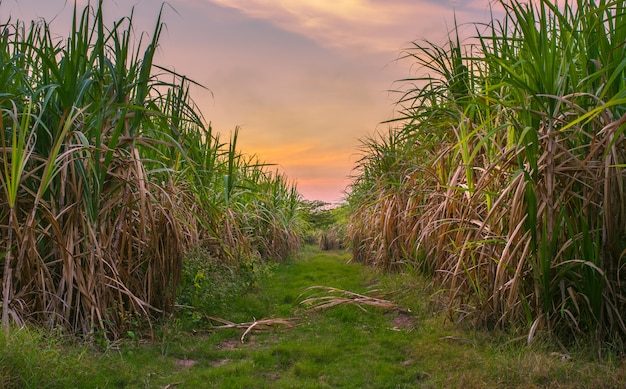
185 363
404 321
229 344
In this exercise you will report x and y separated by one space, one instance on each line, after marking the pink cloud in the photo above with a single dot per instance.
304 78
368 25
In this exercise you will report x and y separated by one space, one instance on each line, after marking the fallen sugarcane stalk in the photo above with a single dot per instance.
333 297
257 325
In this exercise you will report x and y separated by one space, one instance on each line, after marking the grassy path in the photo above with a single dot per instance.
340 347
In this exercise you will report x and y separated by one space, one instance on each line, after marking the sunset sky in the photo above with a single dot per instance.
305 80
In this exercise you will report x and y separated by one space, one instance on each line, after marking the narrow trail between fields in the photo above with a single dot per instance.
328 323
316 321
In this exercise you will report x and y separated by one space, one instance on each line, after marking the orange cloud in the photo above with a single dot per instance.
320 172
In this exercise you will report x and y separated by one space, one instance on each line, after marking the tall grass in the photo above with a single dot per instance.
504 177
110 174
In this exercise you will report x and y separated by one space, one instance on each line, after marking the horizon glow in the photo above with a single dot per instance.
304 81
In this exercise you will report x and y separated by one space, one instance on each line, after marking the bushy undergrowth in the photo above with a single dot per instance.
208 284
504 177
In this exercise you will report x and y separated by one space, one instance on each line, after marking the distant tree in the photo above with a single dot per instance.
318 214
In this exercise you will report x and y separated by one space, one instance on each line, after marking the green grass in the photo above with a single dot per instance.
341 347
